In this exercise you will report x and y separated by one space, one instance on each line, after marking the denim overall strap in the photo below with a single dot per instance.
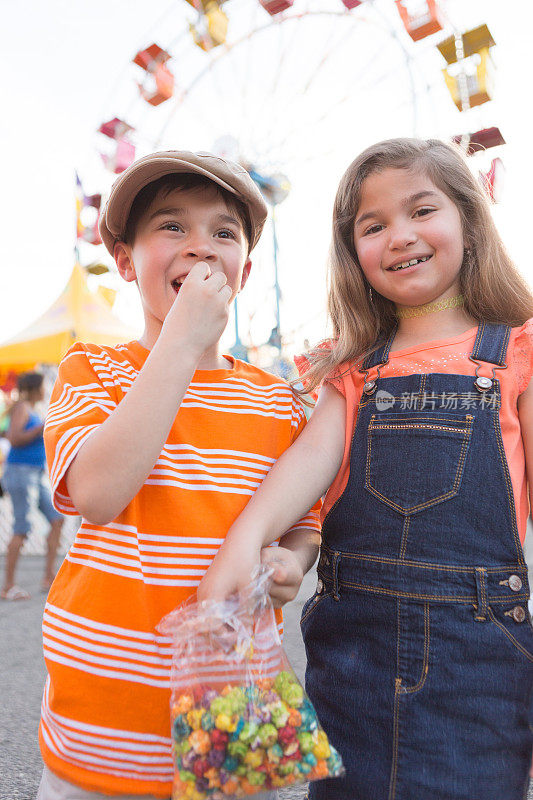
491 343
381 355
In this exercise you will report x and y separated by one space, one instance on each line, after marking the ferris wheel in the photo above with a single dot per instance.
283 86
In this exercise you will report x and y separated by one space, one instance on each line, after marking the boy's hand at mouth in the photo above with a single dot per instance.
200 311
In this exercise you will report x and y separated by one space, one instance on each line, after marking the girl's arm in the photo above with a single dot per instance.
525 415
296 481
17 436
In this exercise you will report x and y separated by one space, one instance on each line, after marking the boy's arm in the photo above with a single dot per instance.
114 462
294 484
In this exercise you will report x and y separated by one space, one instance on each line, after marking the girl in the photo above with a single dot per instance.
418 638
24 480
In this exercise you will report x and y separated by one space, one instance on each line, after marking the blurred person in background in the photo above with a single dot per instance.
24 479
5 407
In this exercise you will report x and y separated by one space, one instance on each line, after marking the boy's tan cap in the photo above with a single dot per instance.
231 176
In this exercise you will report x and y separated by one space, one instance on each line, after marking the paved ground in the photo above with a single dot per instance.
22 674
21 682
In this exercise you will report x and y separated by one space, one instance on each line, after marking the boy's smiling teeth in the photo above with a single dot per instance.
406 264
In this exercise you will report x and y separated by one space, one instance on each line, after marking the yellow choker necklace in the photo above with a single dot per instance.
430 308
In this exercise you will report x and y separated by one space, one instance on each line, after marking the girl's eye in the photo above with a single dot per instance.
422 212
373 229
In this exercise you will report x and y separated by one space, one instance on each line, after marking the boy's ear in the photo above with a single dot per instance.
124 261
245 274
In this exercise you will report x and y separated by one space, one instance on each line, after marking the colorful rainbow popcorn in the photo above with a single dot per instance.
240 741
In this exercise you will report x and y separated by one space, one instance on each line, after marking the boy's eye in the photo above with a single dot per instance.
171 226
226 234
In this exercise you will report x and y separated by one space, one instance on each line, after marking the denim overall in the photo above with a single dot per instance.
418 640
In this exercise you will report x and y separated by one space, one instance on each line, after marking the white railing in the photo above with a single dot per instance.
36 541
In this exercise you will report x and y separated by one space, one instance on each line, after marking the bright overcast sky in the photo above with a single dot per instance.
66 67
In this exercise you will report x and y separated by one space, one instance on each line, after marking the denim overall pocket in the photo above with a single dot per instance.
416 460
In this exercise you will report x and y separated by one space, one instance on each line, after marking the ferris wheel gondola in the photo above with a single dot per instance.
153 61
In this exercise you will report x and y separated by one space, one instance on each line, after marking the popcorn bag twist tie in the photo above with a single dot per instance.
241 722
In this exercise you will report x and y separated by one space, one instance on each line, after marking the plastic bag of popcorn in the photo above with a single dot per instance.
241 721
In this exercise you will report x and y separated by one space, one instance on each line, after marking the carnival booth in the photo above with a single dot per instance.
77 314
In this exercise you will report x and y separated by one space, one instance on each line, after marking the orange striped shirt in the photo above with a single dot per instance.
105 721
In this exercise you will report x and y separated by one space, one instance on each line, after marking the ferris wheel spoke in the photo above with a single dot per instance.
373 81
285 48
311 158
220 93
349 95
182 96
298 96
385 21
296 133
113 88
283 57
195 110
325 58
245 73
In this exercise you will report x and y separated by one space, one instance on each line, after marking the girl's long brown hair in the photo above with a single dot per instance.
493 289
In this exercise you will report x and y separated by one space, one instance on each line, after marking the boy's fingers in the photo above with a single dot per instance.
200 269
219 279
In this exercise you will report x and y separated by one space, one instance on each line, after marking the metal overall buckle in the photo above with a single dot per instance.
370 387
481 383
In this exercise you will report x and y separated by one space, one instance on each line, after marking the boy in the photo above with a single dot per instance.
157 489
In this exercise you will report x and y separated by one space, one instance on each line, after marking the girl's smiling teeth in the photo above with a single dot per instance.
176 284
405 264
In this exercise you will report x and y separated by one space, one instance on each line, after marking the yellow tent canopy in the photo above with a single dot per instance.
77 315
